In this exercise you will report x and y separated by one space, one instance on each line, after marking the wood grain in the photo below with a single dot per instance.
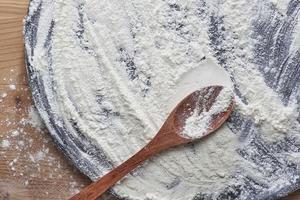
13 8
24 174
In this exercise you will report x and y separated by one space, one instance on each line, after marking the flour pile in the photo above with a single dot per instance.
106 74
200 120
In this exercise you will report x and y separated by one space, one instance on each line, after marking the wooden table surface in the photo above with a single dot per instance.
31 167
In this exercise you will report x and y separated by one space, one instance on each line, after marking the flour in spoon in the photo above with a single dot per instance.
200 121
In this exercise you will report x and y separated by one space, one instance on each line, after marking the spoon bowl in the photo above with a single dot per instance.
201 101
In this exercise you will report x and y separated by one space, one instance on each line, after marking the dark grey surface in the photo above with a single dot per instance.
274 32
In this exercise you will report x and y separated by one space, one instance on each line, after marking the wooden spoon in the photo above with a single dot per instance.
168 136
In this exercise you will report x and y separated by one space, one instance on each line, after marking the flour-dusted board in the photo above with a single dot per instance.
275 55
20 176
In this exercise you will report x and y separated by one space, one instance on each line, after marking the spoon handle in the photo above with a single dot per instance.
97 188
94 190
163 140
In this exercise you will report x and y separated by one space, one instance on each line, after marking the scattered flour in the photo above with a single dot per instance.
27 156
3 95
34 118
5 144
15 133
119 71
40 155
12 87
199 122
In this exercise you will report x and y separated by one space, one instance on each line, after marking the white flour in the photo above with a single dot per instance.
199 122
34 119
121 75
29 156
5 144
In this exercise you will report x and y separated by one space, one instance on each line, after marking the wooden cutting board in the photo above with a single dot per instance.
31 167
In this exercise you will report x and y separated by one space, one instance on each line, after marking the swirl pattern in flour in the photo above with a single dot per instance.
105 74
